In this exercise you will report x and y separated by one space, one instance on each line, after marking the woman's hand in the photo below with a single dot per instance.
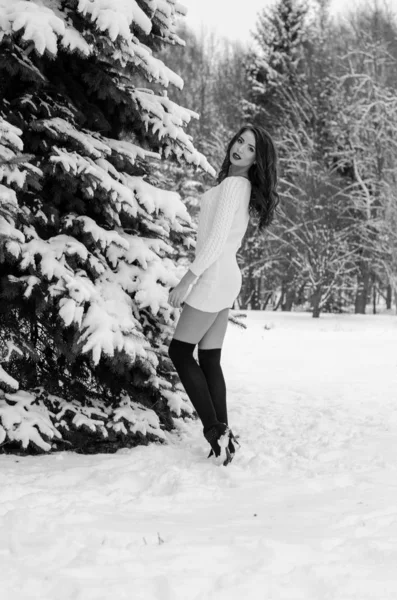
177 294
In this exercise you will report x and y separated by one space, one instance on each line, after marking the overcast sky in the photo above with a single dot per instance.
235 19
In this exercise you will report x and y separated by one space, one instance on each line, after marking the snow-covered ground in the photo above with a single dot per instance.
306 511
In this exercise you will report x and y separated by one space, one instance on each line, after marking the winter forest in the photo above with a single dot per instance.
114 117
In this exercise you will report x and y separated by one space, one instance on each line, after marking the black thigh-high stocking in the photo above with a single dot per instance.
193 380
210 362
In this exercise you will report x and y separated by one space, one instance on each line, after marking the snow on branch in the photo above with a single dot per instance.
48 258
59 129
24 422
129 194
96 148
39 419
180 9
167 7
42 25
143 271
11 160
10 135
47 25
104 238
161 105
156 200
10 237
109 326
153 68
101 309
130 417
7 381
141 250
10 147
8 202
115 16
166 119
128 150
94 179
164 14
176 402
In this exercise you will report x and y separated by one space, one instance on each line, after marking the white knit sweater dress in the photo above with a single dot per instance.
223 221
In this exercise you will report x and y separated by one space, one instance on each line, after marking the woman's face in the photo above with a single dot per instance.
243 151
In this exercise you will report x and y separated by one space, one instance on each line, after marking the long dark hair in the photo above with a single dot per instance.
262 174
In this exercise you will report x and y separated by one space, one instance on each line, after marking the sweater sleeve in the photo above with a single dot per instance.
230 190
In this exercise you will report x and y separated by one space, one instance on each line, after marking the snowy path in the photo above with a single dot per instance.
307 510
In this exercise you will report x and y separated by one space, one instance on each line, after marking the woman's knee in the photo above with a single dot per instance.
180 351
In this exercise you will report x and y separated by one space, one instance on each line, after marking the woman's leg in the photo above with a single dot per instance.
193 324
214 336
190 329
209 356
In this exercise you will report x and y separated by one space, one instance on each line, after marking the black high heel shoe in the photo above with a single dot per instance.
218 438
229 448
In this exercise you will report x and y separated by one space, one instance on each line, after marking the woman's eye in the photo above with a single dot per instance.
239 141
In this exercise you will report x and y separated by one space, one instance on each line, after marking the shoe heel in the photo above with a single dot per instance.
229 457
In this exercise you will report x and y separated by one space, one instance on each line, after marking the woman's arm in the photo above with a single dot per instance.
231 190
188 278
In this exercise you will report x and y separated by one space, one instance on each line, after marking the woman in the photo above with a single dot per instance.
246 185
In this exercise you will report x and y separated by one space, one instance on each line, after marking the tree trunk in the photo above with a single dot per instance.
278 303
388 296
266 300
373 296
281 298
246 290
289 300
300 296
316 299
255 300
362 289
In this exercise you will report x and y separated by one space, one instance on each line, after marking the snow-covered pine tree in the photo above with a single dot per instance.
86 237
276 61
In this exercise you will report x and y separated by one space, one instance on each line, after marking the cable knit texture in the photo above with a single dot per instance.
216 219
223 221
